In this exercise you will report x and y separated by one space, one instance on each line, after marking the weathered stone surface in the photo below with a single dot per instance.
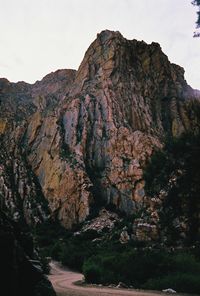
105 220
124 236
84 138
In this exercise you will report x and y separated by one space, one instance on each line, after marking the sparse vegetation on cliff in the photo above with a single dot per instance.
176 171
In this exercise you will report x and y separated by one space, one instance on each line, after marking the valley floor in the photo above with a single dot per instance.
63 280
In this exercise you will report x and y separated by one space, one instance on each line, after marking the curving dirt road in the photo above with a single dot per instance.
62 280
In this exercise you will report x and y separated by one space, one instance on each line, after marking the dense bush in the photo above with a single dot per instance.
49 236
150 269
49 232
181 282
92 271
74 255
107 261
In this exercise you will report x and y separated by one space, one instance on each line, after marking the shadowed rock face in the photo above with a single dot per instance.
18 275
80 139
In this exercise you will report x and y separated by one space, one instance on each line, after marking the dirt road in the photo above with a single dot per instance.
62 279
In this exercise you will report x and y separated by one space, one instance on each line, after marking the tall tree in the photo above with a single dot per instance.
197 3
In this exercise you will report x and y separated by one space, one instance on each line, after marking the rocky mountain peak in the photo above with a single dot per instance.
131 69
88 135
111 58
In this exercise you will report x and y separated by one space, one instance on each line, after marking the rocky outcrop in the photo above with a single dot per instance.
105 221
85 137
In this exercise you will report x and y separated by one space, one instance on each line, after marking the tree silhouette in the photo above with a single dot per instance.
197 3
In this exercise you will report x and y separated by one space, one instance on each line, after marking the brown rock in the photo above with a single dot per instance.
83 137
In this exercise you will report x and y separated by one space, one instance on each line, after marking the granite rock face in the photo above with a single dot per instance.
82 139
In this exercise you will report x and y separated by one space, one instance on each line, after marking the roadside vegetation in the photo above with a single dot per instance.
108 262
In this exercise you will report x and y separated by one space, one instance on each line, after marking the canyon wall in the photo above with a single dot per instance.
77 140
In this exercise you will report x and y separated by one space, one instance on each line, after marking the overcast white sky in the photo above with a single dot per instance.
41 36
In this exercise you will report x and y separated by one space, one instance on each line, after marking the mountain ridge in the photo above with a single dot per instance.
82 139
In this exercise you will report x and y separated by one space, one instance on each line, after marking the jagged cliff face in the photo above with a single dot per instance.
78 139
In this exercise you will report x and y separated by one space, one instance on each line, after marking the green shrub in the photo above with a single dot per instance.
92 272
56 251
144 269
180 282
183 261
75 252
